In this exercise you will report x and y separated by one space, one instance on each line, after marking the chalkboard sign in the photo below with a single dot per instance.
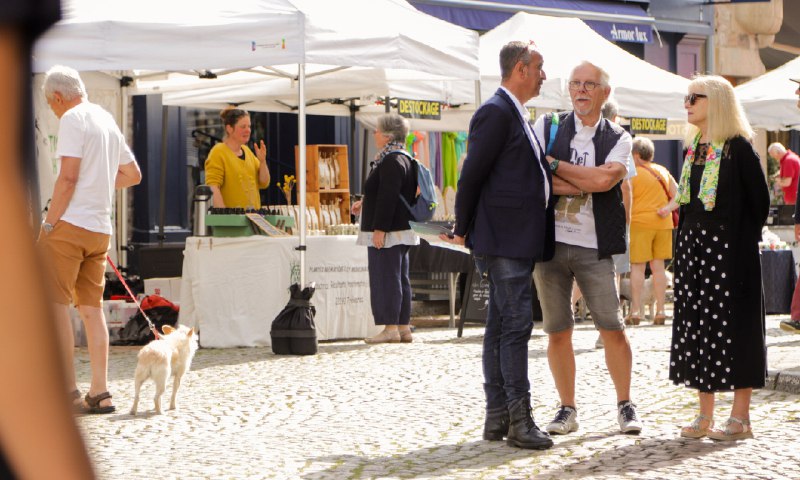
475 302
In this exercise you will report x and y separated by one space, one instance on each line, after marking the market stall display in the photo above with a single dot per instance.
232 288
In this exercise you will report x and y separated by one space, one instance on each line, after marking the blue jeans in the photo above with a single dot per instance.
508 328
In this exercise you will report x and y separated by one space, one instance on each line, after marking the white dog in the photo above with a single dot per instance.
169 356
648 293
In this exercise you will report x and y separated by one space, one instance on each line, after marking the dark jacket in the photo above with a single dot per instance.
607 207
500 203
382 208
742 208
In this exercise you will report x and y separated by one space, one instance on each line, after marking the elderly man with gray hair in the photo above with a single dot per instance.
789 170
588 156
94 160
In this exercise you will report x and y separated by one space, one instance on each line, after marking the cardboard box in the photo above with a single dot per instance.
117 313
168 287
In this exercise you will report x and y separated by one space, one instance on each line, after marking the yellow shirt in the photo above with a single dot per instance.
237 179
649 196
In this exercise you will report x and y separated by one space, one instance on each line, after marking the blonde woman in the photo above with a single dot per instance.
718 332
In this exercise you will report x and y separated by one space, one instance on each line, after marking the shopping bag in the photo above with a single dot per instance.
293 331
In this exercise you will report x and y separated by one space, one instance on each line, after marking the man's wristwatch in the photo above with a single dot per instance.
47 227
554 165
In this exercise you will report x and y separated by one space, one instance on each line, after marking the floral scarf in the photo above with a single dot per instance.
710 178
389 147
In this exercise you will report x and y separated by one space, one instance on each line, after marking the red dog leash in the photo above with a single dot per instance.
133 297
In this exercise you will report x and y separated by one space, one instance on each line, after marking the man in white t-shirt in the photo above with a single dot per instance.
75 235
588 156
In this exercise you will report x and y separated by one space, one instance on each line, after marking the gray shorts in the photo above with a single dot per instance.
622 261
595 278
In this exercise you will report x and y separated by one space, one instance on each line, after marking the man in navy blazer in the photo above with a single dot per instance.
504 214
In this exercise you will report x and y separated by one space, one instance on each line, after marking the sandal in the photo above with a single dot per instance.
94 403
659 319
77 405
633 320
695 430
727 434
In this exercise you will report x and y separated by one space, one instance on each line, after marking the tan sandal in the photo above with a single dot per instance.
385 336
633 320
727 434
695 429
659 319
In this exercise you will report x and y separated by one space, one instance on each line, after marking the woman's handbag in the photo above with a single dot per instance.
666 190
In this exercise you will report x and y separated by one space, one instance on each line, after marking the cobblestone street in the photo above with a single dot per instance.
416 411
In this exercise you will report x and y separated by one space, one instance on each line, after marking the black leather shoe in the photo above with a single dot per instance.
496 426
522 430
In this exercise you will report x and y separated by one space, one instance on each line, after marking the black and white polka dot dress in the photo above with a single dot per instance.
701 353
718 331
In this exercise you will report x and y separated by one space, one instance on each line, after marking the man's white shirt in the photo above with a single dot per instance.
88 132
575 224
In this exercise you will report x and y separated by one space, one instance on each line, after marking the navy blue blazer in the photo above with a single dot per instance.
500 202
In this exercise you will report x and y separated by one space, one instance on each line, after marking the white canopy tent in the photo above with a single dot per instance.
208 35
769 100
640 88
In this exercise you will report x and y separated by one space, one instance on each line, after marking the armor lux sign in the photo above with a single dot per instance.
422 109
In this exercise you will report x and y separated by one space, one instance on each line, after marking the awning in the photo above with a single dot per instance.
625 22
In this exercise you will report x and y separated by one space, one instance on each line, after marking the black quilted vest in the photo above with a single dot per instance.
608 209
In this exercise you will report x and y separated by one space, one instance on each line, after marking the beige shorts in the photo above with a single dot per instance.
75 264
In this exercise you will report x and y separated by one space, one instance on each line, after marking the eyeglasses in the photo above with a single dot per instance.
588 86
692 98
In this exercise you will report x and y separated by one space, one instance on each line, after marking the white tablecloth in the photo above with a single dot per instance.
232 288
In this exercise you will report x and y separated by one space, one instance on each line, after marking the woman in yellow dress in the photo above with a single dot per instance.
233 172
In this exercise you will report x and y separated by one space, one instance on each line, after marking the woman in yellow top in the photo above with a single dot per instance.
233 172
651 233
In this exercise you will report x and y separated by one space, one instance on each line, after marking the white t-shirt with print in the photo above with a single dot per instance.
88 132
574 215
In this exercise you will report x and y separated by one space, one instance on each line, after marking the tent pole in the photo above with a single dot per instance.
162 184
301 175
122 194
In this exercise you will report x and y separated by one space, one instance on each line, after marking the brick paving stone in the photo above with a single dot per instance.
416 411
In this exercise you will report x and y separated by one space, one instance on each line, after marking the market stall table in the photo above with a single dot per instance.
431 259
232 288
778 277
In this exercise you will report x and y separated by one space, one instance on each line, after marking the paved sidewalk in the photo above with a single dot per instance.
415 411
783 356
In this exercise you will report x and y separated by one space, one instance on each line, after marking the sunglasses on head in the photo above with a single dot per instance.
692 99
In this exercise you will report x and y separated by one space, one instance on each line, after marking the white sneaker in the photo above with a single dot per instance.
628 419
599 342
566 421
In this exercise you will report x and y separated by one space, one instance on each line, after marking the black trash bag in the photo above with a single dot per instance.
137 331
293 331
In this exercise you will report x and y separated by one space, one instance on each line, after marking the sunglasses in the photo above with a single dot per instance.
692 99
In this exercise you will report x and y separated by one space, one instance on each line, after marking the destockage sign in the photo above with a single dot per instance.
422 109
652 126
